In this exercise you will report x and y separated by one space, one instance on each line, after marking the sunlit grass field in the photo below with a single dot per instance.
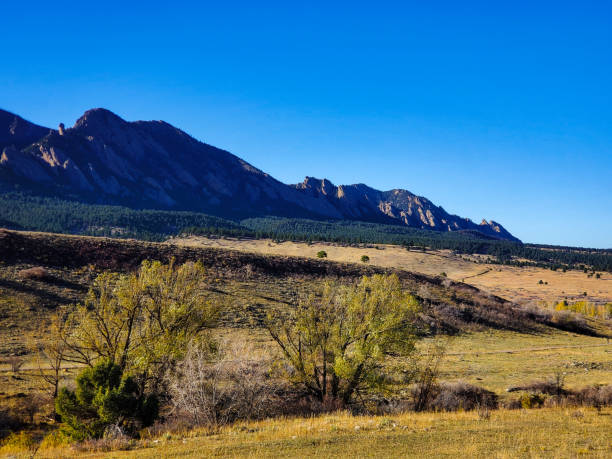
494 359
554 432
497 360
488 357
515 284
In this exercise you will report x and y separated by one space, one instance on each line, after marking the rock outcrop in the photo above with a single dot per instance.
360 202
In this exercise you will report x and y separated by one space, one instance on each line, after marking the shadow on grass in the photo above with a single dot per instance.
45 295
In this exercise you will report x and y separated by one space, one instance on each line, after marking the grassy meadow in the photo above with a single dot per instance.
486 350
513 283
547 432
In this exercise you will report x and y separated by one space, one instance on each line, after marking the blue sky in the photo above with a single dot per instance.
497 110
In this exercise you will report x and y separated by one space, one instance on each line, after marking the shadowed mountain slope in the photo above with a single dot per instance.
104 159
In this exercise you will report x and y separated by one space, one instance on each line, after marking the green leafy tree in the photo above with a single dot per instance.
322 254
142 321
337 342
365 258
104 397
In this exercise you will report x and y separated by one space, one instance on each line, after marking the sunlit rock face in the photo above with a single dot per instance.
360 202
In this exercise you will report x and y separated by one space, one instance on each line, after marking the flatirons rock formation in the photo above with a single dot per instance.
360 202
151 164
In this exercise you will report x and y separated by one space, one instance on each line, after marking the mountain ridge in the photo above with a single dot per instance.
105 159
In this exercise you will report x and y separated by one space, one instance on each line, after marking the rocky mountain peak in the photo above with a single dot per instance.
14 130
317 186
150 164
99 118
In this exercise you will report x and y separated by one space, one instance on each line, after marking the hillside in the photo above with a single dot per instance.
251 282
519 284
20 211
150 164
491 342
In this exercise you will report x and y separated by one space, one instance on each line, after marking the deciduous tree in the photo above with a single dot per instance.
337 342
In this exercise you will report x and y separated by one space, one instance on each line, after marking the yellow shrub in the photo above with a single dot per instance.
603 311
54 439
17 442
530 400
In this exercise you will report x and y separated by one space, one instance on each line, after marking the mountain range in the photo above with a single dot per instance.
104 159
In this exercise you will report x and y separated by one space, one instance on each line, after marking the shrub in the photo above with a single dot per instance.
106 444
484 413
537 313
463 396
586 308
453 397
8 422
18 441
566 320
31 405
552 386
16 362
299 403
596 396
365 258
104 397
532 400
36 273
322 254
426 373
217 388
55 439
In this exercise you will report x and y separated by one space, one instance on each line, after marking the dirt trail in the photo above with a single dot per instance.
529 349
478 274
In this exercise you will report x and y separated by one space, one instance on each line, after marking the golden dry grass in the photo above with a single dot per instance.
388 256
493 359
522 284
554 432
497 360
516 284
